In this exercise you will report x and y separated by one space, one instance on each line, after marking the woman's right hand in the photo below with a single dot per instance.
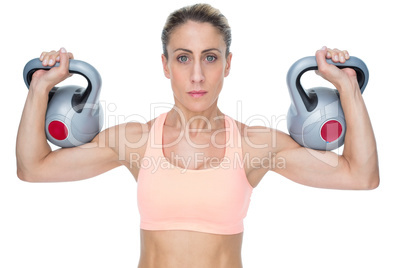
47 79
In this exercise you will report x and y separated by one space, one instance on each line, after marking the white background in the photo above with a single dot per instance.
95 223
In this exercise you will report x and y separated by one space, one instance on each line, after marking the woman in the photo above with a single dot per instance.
195 166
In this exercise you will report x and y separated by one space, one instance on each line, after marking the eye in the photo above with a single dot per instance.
210 58
182 59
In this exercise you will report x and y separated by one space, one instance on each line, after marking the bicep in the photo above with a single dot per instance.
77 163
322 169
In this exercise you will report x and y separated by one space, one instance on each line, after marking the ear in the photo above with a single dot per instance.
166 70
228 64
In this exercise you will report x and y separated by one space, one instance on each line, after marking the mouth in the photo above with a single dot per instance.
197 94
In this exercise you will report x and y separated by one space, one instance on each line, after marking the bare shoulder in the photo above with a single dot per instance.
261 139
113 136
129 141
134 130
120 138
261 146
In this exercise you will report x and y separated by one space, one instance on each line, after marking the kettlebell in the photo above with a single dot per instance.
74 115
315 118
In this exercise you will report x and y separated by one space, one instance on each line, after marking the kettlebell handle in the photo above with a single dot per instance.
297 92
91 94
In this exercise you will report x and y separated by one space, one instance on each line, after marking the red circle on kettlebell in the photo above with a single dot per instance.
58 130
331 130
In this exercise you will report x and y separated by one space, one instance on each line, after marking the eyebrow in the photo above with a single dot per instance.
204 51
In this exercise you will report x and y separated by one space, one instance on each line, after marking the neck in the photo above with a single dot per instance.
212 118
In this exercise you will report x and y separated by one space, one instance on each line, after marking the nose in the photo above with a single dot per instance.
197 74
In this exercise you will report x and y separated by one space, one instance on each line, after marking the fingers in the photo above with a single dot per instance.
50 58
322 64
321 55
337 55
329 71
55 75
63 58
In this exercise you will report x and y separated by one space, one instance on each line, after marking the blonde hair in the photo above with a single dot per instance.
197 13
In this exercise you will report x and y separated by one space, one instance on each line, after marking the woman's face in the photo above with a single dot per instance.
196 65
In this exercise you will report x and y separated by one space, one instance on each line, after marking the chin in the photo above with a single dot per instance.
194 107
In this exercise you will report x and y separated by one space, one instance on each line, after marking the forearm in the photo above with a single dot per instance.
32 146
360 148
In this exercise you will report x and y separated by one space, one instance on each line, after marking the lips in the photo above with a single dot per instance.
197 93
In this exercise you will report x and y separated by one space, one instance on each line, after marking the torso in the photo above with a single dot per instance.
252 139
188 248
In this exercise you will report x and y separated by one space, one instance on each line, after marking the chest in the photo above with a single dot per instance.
203 200
194 150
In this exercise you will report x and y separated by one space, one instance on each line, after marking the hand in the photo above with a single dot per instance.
342 79
47 79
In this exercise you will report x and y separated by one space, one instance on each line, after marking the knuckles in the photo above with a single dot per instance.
37 74
63 72
324 69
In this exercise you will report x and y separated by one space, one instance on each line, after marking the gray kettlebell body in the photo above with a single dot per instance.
315 118
74 115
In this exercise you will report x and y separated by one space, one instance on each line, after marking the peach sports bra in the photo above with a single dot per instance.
213 200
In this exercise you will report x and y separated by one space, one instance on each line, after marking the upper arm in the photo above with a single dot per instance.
322 169
278 152
109 149
76 163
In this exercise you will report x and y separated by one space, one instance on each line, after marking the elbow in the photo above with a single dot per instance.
364 177
22 171
26 176
22 175
373 178
369 182
374 182
29 172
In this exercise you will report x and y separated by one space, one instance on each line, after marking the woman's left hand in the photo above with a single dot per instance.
342 79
